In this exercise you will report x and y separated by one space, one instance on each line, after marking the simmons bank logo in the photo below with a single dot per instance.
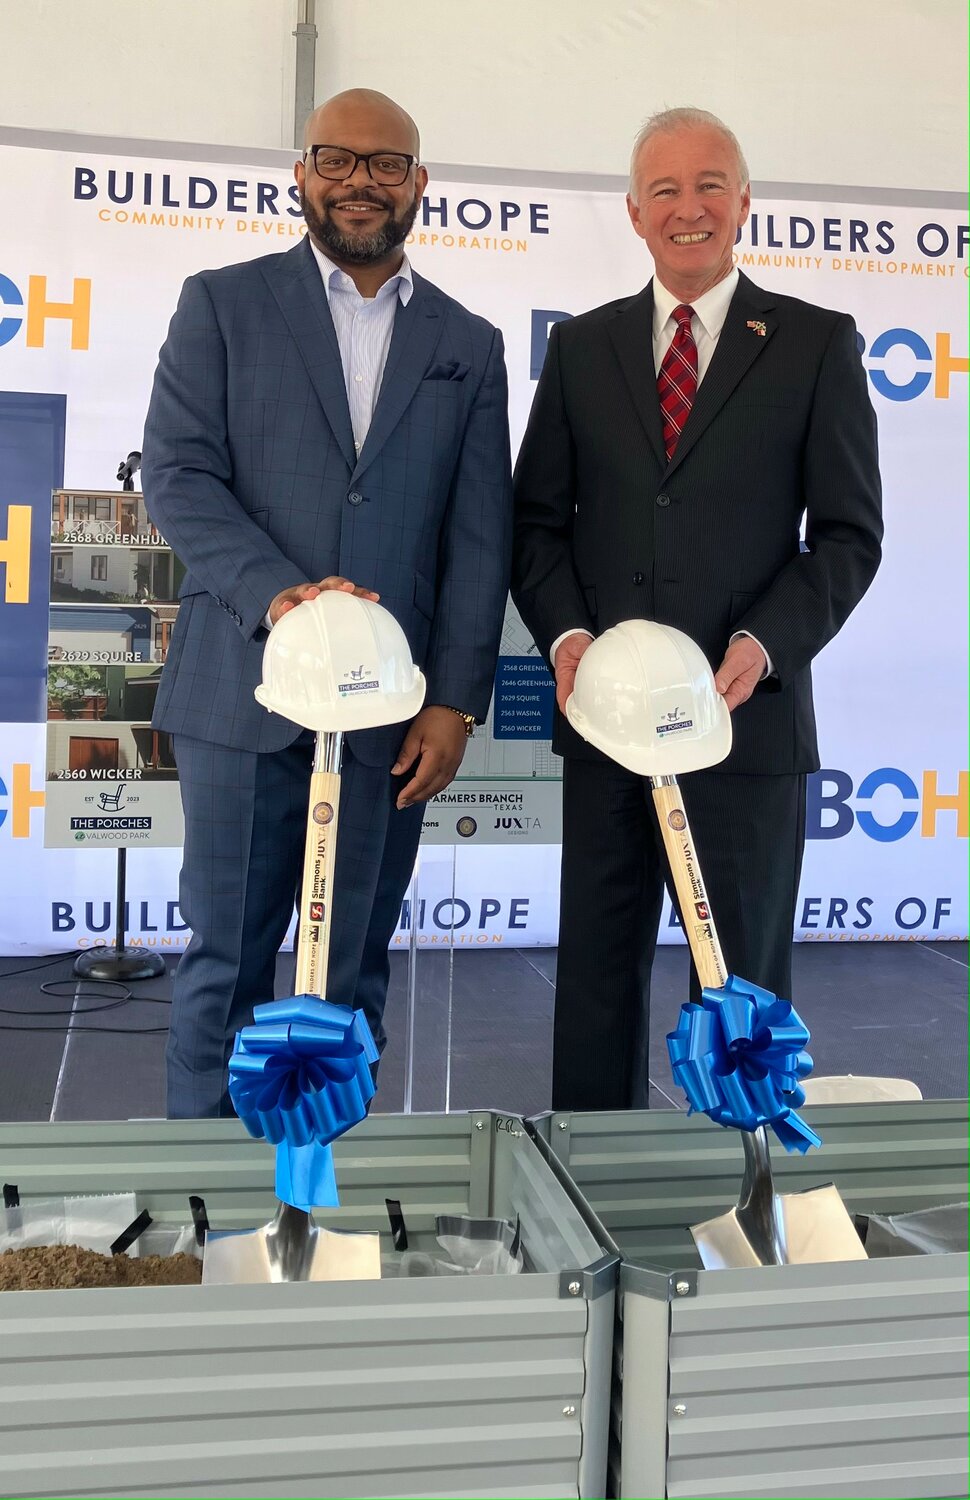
33 308
887 805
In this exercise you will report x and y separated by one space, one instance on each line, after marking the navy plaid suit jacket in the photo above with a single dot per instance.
250 474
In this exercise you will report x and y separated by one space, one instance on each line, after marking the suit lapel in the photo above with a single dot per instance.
737 349
417 328
298 288
631 332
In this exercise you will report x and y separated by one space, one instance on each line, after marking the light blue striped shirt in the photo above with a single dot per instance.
364 326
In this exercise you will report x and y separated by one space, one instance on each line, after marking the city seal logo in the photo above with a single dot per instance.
323 813
676 820
466 827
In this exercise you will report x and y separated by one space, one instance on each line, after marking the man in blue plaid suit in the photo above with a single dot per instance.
325 418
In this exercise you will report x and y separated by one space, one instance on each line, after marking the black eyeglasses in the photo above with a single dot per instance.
338 164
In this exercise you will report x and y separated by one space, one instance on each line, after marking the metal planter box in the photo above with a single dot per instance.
441 1386
829 1380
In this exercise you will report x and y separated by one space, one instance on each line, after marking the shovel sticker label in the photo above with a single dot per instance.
316 911
322 813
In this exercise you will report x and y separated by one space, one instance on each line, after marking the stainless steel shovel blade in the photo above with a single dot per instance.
766 1228
291 1248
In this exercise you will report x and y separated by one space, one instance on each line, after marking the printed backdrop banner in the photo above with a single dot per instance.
94 251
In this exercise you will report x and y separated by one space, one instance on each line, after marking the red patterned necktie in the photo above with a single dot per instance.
677 381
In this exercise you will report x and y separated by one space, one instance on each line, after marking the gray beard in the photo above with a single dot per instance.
358 249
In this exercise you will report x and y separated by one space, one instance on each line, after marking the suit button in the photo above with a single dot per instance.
355 497
663 499
638 577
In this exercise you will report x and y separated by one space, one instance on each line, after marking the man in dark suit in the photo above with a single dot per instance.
324 418
676 441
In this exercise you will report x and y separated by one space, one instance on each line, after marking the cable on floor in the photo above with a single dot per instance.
77 992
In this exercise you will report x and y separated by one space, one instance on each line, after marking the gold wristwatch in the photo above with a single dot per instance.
467 719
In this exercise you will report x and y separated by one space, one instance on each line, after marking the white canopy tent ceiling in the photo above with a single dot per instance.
868 94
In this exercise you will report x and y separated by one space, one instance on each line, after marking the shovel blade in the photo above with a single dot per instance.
246 1256
813 1226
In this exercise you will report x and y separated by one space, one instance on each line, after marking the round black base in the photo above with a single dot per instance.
119 964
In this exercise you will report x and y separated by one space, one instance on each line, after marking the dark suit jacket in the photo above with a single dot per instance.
607 530
250 474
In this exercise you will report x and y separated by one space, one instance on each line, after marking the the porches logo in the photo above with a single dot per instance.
359 679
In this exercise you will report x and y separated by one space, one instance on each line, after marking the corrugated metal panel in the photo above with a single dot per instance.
827 1380
639 1410
649 1175
427 1387
427 1165
487 1386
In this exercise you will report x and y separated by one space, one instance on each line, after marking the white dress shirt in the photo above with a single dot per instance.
363 326
710 311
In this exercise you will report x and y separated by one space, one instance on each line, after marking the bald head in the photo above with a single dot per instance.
359 114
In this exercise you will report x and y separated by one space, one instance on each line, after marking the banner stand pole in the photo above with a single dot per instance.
119 962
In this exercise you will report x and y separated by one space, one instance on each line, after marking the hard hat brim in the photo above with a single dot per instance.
344 718
674 759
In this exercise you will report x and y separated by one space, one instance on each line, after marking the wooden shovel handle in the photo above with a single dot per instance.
316 898
695 908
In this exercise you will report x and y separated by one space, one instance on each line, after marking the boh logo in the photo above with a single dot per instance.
39 307
920 366
15 555
835 805
18 799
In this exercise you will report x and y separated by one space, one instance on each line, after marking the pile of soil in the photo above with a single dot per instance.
44 1267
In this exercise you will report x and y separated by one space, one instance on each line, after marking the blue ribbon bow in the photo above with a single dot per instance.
299 1077
739 1057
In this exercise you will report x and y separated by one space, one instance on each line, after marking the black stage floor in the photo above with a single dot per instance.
891 1009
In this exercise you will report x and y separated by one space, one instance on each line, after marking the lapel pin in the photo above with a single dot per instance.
759 328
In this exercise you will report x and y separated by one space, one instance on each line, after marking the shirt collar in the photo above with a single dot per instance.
334 277
710 309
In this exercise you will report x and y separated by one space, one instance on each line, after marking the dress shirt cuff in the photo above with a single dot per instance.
268 624
579 630
769 670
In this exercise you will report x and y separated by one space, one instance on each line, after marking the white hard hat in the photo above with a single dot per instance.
645 696
339 663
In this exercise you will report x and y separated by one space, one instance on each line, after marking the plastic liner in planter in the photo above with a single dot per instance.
926 1231
107 1223
466 1246
90 1223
